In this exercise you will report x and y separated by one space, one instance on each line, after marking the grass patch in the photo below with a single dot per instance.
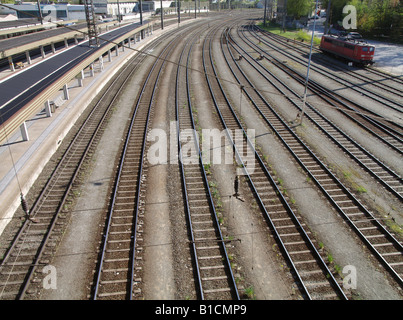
294 34
250 293
396 228
361 189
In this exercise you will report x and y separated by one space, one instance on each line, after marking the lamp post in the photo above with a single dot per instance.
309 66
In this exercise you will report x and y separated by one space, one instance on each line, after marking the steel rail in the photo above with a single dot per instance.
333 95
310 245
220 238
372 69
150 101
387 76
386 128
394 78
160 61
339 79
377 83
367 215
93 115
271 181
387 184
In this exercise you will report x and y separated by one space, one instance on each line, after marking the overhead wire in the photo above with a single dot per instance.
23 201
271 92
243 86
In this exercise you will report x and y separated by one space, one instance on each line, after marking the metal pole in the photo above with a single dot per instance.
119 18
176 8
284 14
309 65
162 16
40 12
327 18
179 11
93 39
141 19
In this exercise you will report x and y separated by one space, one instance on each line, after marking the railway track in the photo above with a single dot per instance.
364 79
384 246
213 268
308 267
122 244
380 171
395 79
35 240
387 131
118 268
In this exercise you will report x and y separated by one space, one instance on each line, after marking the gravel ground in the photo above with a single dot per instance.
257 264
322 220
75 258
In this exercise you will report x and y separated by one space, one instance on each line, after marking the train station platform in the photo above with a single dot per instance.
23 160
55 34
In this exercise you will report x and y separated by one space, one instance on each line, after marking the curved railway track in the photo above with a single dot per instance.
371 231
365 79
380 171
214 273
387 131
37 236
308 267
118 269
116 274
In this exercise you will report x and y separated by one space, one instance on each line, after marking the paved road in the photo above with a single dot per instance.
17 91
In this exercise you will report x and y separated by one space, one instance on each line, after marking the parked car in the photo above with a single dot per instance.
354 35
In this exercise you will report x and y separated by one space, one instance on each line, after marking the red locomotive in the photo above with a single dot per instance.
348 47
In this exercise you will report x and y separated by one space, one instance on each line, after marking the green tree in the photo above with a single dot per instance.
379 17
299 8
336 10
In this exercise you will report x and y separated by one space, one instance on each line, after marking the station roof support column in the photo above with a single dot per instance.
11 63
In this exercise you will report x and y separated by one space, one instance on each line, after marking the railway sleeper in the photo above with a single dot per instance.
117 276
11 283
217 284
395 258
204 230
214 278
119 295
285 224
306 265
217 290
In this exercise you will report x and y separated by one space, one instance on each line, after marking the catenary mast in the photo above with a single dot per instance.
91 23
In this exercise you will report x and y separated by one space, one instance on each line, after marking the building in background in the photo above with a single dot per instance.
109 9
50 12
